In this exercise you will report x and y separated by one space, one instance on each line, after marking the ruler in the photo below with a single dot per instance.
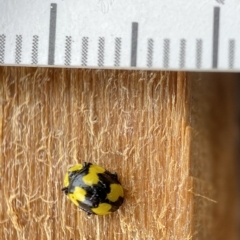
140 34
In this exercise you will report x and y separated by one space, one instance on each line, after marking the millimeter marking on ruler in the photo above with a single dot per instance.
18 49
134 44
231 51
118 44
2 48
182 53
150 52
68 50
166 53
199 53
183 42
216 19
35 50
52 33
101 49
84 51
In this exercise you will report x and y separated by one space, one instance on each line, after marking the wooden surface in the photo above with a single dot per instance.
171 137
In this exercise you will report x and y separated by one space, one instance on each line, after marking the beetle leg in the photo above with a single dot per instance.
114 175
87 212
65 190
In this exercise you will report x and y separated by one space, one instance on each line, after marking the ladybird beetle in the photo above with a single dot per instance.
93 189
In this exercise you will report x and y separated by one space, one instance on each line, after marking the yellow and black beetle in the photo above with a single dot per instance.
93 189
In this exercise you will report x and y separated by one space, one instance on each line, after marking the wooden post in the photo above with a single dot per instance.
170 136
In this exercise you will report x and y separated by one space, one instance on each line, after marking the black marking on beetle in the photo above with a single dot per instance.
119 202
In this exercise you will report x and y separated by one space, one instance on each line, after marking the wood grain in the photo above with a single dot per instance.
158 130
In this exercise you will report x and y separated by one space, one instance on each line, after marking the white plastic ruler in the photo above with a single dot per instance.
199 35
